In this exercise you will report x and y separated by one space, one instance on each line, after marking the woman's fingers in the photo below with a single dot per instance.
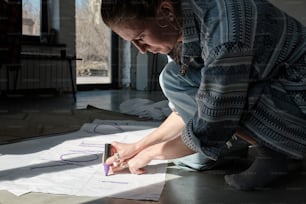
137 164
120 166
122 157
114 158
138 171
125 150
117 166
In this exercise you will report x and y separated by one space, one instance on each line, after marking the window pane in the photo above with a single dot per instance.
93 44
31 17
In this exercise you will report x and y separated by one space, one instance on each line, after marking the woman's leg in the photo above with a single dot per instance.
180 90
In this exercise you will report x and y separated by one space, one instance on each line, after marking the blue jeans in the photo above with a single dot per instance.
180 92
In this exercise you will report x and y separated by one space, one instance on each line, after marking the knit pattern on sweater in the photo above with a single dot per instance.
253 70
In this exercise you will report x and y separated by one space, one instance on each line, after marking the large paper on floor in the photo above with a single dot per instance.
71 164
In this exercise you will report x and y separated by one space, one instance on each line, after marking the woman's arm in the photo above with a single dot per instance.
221 98
168 130
170 149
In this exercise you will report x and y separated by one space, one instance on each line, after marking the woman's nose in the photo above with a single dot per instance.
141 47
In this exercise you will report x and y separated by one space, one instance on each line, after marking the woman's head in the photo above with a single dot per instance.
118 11
151 25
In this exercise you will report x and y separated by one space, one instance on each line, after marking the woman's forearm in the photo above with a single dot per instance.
171 128
171 149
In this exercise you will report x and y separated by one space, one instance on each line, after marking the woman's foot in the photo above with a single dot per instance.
266 168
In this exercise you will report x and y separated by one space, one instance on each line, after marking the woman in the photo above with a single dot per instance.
239 68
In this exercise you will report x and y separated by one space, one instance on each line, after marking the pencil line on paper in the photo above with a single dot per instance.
116 182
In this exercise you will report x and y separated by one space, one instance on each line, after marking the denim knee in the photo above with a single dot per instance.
167 76
180 90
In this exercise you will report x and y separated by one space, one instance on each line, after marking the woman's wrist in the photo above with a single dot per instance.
139 146
151 152
145 143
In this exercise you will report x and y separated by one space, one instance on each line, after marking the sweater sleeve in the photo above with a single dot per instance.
220 99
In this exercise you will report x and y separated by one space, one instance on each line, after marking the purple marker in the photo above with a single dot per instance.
105 157
106 169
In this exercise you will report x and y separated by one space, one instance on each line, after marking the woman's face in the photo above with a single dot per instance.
153 36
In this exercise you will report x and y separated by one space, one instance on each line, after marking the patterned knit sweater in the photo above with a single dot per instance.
251 57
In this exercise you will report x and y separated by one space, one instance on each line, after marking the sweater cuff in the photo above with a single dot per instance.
192 142
188 136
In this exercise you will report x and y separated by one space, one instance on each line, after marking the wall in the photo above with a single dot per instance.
145 69
125 56
296 8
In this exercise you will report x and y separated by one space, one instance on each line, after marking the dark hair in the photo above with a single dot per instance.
118 11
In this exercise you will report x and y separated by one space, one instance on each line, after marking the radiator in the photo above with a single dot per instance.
43 74
38 73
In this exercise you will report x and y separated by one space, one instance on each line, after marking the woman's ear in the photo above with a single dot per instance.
166 10
166 16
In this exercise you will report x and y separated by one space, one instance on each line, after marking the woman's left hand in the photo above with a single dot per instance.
135 165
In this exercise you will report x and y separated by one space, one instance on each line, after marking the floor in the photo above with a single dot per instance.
181 186
104 99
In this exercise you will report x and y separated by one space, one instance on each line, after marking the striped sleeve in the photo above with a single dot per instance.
221 98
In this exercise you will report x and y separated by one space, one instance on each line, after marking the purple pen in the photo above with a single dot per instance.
106 169
105 157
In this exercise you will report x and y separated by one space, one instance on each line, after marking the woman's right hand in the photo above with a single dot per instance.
121 152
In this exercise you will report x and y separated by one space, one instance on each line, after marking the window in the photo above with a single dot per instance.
93 44
31 11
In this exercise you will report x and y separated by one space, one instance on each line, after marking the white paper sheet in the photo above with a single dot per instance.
71 164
